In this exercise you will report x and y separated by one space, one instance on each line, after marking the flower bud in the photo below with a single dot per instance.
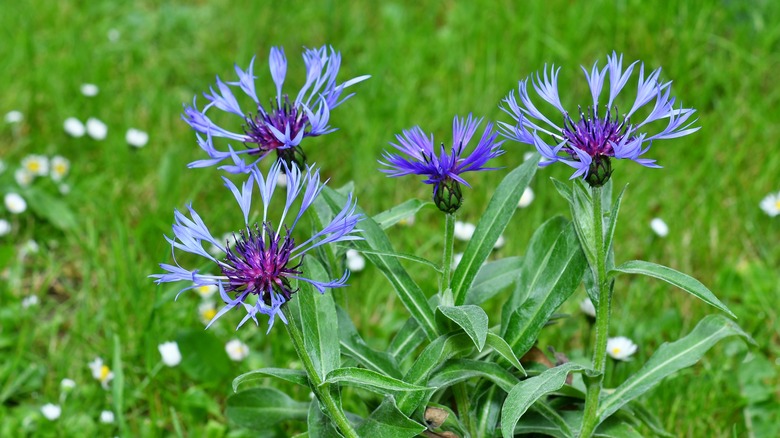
447 196
599 172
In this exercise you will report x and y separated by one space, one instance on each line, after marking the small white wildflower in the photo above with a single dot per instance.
51 411
355 261
113 35
771 204
96 129
136 138
170 353
60 166
107 417
207 310
281 179
528 155
659 227
101 372
37 165
588 308
89 90
15 203
67 384
621 348
206 291
5 227
74 127
23 177
407 221
456 259
236 350
500 242
464 230
526 198
28 301
64 188
13 117
30 247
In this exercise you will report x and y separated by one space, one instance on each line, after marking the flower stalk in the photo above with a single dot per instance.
322 392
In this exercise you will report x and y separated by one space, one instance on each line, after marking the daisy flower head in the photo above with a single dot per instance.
14 203
278 126
418 157
36 165
621 348
60 166
207 310
171 356
771 204
107 417
136 138
591 138
23 177
101 372
5 227
51 411
260 270
236 350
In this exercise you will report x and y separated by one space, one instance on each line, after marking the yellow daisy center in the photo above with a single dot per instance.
616 351
33 166
777 204
60 169
104 370
209 314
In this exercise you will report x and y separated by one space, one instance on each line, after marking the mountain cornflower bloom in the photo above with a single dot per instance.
259 269
418 157
283 124
588 140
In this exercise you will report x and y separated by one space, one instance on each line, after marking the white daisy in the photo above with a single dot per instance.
526 198
89 90
588 308
464 230
621 348
206 291
51 411
28 301
37 165
15 203
236 350
67 384
13 117
107 417
407 221
5 227
771 204
101 372
60 166
23 177
96 129
355 261
659 227
136 138
170 353
74 127
207 310
500 242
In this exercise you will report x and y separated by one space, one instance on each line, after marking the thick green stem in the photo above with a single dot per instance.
594 383
323 393
449 241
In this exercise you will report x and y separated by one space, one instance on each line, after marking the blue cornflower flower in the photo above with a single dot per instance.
279 127
260 265
587 142
418 157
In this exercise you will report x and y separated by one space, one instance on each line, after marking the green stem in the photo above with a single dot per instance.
323 392
449 241
594 383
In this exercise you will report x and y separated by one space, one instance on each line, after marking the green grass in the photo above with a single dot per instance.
429 61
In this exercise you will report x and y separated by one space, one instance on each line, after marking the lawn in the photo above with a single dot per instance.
428 61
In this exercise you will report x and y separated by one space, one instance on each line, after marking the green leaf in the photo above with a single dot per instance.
500 346
370 380
670 358
582 215
492 278
494 220
563 189
293 376
472 319
54 210
489 411
525 393
613 215
458 370
260 408
406 340
203 356
404 256
387 421
408 291
388 218
669 275
548 284
320 426
319 323
354 347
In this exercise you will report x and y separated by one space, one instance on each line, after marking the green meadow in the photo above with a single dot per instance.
429 61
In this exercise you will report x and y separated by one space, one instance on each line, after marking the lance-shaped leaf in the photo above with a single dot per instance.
502 206
556 278
670 358
353 346
492 278
318 321
405 210
406 340
387 421
669 275
320 426
489 410
472 319
458 370
500 346
260 408
370 380
293 376
582 216
408 291
525 393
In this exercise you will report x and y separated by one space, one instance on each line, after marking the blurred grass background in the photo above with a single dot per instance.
429 61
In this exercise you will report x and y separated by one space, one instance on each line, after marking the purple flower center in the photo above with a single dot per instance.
258 130
593 134
257 263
